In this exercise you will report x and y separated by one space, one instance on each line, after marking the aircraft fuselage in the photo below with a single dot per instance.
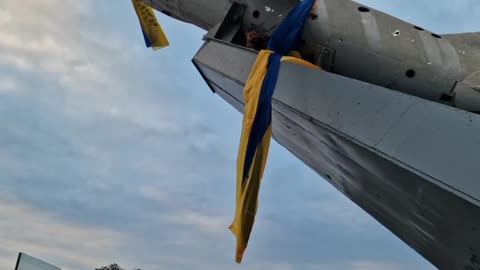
405 156
362 43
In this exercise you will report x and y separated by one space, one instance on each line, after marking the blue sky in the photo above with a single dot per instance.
112 153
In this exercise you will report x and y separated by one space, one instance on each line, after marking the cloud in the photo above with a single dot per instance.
437 16
112 153
368 265
208 223
356 265
7 85
72 246
98 136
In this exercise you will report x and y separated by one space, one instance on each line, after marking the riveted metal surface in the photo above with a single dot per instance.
362 139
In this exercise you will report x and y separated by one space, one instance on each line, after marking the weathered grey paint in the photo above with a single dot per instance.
406 159
27 262
370 46
408 162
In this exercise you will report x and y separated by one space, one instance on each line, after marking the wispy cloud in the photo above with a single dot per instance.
110 152
438 16
25 229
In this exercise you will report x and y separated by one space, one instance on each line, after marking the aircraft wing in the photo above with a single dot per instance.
406 161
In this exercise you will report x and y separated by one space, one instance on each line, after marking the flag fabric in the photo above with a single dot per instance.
248 184
152 32
257 128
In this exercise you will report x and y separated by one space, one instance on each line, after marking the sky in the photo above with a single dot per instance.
110 152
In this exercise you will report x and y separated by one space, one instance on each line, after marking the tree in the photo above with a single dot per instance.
113 266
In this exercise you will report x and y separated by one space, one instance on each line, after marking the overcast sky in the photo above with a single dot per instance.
110 152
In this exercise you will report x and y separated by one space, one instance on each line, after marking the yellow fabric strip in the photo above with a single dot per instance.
251 95
248 186
299 61
150 25
247 203
247 189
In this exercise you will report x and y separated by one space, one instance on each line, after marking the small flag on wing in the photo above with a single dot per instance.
153 33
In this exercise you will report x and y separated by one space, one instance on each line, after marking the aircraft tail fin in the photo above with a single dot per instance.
469 45
471 39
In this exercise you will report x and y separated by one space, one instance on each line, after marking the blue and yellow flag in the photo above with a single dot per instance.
151 29
257 121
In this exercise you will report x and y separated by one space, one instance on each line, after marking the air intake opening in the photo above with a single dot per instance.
166 13
410 73
446 98
363 9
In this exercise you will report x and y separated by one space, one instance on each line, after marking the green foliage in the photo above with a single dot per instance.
113 266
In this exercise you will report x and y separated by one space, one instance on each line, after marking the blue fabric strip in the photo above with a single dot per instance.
285 39
147 40
288 34
263 117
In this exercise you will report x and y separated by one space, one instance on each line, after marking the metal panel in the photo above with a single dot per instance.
235 61
346 127
340 127
26 262
421 134
436 223
359 109
396 156
439 141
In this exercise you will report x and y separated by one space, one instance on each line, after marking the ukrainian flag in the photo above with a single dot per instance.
257 121
151 29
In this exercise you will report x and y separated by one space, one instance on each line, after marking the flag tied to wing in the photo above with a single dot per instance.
257 121
153 33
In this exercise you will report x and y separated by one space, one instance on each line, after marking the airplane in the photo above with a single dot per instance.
391 118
